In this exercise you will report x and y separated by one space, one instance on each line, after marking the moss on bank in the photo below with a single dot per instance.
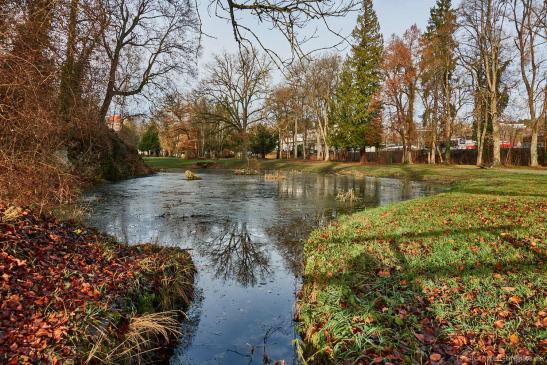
453 278
71 295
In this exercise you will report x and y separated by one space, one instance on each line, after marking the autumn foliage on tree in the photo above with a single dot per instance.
401 72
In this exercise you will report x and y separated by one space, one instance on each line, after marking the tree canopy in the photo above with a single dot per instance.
360 82
263 140
150 140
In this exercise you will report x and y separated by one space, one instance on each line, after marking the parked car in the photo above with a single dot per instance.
463 144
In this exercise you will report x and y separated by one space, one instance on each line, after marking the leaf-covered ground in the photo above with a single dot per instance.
62 287
454 278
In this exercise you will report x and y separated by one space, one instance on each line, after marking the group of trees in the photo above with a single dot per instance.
470 64
65 65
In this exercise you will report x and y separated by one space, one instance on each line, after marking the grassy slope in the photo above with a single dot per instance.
457 276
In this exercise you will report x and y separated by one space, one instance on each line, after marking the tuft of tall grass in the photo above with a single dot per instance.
347 196
142 336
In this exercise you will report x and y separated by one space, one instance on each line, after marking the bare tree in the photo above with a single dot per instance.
237 84
529 22
483 22
321 82
235 256
296 81
84 21
147 42
288 17
279 109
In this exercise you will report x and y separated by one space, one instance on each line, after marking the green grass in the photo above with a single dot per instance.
460 275
174 163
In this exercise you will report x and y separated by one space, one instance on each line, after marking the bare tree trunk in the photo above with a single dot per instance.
318 156
534 145
495 131
66 94
363 155
432 154
447 116
447 138
434 121
403 139
482 135
441 160
295 138
279 145
305 142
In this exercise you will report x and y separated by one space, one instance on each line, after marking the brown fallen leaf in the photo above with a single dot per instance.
515 299
384 274
435 357
499 324
514 339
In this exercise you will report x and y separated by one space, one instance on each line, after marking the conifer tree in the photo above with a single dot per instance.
361 80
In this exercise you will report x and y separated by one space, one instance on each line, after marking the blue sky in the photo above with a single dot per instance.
395 16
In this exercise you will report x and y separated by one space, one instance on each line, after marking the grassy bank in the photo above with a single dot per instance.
174 163
71 295
454 278
421 172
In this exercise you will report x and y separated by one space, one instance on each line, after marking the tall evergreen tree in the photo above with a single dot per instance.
361 80
150 140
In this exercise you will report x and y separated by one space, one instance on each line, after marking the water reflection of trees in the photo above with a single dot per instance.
233 255
288 236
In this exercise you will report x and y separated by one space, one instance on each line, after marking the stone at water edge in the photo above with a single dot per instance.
191 176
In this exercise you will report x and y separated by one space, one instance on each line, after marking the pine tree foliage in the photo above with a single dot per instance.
150 140
355 104
439 39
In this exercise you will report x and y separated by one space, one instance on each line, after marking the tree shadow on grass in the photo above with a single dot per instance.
392 307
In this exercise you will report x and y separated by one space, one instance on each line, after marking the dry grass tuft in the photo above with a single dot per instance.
191 176
347 197
11 214
143 334
274 177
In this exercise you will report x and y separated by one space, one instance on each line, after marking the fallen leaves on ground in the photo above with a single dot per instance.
455 278
51 275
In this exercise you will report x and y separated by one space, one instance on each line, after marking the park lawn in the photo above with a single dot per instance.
456 277
175 163
453 278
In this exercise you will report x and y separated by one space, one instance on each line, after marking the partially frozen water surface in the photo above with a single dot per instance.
246 236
